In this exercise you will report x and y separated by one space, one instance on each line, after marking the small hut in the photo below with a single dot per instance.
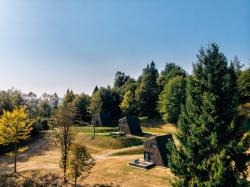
104 120
155 150
130 125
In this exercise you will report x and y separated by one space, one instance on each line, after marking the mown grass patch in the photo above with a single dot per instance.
109 142
157 130
97 129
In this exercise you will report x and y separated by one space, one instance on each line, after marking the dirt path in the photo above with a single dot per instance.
42 156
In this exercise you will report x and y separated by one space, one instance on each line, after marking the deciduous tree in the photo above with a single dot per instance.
80 163
14 127
172 98
62 121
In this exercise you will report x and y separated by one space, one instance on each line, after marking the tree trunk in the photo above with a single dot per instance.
93 122
75 174
15 154
64 166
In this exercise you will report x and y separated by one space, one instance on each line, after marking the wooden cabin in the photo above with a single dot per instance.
155 150
104 120
130 125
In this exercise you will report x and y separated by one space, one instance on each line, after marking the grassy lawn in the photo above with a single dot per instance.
97 129
118 171
109 142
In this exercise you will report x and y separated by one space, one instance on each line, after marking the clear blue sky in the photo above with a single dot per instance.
52 45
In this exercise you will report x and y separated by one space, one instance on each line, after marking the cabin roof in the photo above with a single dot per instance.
161 138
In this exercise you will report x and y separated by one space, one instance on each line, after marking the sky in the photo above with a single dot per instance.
52 45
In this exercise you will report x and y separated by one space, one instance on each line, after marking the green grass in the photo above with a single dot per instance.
109 142
97 129
155 130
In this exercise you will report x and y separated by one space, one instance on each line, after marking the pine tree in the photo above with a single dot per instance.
69 97
95 89
14 127
212 148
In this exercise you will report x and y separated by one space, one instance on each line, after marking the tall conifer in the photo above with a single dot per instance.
212 148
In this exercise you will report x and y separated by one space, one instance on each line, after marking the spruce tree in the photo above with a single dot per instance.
147 91
212 142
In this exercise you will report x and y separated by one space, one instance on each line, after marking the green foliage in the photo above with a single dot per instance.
171 70
10 99
69 97
62 121
105 100
128 104
81 103
95 89
120 79
212 143
14 127
80 162
147 91
244 83
171 99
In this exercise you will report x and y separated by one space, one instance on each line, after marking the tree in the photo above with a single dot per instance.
95 89
147 91
212 144
81 103
171 70
237 65
10 99
69 97
81 162
243 83
62 121
128 104
31 103
14 127
105 100
120 79
171 99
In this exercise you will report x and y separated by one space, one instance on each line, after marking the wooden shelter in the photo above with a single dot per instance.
155 150
130 125
104 120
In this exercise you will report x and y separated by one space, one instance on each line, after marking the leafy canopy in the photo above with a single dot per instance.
171 99
14 126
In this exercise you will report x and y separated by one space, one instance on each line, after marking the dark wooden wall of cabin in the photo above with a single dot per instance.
155 154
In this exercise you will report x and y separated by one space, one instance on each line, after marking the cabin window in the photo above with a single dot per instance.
154 145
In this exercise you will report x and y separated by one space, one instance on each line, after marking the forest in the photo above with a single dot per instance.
209 107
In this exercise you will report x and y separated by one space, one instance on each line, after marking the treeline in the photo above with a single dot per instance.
205 106
152 95
38 109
